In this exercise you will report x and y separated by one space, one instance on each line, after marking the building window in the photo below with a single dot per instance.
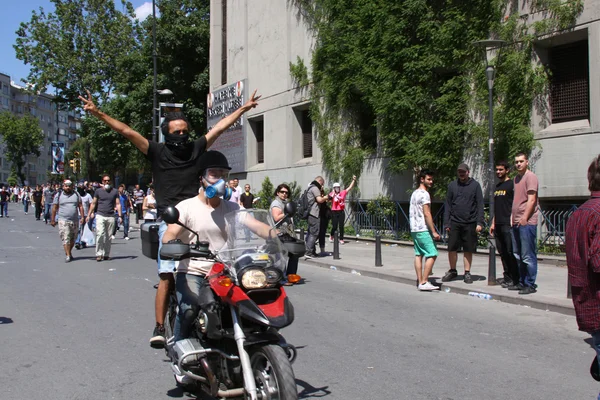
224 42
569 82
258 127
307 137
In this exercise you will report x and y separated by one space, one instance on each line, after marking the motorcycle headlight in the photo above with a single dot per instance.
254 279
273 275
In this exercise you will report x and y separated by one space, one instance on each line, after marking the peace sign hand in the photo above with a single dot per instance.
88 104
253 102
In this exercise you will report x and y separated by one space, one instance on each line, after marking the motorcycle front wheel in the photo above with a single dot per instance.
273 372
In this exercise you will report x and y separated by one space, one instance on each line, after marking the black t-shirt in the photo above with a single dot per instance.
174 180
107 201
4 196
37 196
247 199
503 199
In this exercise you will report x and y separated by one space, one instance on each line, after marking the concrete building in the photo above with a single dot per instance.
62 126
255 42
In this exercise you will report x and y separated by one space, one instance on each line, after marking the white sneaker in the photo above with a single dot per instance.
112 237
126 238
427 287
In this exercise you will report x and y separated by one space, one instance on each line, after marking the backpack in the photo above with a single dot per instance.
304 205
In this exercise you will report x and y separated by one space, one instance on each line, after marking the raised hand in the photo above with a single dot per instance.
88 104
253 102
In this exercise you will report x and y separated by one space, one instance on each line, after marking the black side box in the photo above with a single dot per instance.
150 239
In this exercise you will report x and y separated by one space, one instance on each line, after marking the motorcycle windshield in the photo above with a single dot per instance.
252 238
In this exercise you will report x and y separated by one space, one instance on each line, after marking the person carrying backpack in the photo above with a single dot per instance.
313 198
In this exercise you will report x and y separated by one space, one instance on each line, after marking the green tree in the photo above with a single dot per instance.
265 194
402 79
78 46
22 136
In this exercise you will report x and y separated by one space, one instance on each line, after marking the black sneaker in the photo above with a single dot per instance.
518 286
157 341
467 277
527 290
308 256
450 275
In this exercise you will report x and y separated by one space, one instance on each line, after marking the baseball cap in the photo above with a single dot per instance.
336 185
67 182
463 167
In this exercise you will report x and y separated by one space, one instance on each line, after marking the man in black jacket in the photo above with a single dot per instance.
463 219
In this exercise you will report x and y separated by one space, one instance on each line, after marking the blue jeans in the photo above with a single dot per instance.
164 266
596 345
25 206
47 208
525 251
4 208
193 294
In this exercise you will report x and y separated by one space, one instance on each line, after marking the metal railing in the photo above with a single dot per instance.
396 224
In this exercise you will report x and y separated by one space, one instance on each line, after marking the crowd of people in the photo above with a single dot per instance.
514 225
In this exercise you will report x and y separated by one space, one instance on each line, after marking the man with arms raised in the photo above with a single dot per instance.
175 175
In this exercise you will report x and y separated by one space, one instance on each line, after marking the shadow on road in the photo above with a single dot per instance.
6 320
309 391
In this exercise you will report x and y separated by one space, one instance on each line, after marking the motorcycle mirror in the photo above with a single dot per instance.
171 215
290 208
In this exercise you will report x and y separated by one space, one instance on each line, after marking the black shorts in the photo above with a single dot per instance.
462 236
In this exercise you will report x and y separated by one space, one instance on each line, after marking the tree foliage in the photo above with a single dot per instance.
78 46
89 44
265 194
396 79
22 136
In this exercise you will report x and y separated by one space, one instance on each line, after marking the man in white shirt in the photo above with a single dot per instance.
423 230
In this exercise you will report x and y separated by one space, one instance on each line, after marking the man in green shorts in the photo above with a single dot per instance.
423 231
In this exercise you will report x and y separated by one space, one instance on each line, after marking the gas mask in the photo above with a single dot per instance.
218 189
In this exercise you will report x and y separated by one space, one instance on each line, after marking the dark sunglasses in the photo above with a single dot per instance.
284 192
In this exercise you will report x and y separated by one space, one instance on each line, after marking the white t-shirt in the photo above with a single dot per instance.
418 199
210 225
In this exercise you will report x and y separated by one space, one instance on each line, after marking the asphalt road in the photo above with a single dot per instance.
80 331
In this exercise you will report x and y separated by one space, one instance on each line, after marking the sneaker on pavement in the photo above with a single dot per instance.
527 290
515 287
67 259
331 238
112 237
467 277
157 340
342 241
126 238
427 287
450 275
308 256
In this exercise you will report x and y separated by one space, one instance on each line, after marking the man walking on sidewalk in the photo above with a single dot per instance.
524 219
4 197
583 260
67 206
138 199
422 230
106 199
463 219
315 199
501 225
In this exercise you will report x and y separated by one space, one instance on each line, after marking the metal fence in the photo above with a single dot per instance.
396 223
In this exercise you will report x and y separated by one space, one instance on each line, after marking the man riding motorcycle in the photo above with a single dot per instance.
204 214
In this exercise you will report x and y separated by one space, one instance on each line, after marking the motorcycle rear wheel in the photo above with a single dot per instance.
273 373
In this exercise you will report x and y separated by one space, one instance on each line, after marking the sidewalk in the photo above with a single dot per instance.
398 266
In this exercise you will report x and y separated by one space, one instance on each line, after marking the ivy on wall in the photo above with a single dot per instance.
402 79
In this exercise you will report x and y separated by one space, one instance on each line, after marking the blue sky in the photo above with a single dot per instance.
20 11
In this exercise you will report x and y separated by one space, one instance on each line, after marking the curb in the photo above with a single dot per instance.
522 301
558 260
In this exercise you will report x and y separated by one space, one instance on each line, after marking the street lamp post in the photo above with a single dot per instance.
492 50
154 91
